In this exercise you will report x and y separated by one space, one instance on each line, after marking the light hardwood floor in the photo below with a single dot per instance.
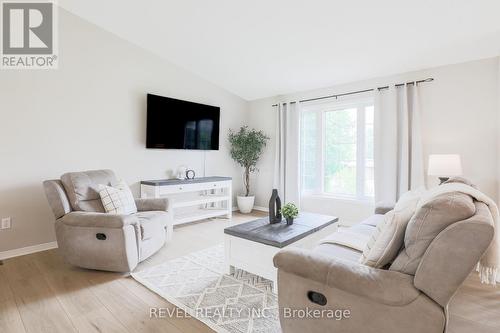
40 293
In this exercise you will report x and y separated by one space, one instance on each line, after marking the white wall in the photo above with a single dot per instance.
498 134
459 114
262 117
90 114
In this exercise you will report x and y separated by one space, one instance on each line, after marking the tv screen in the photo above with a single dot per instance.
176 124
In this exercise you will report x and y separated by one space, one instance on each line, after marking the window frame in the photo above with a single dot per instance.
320 109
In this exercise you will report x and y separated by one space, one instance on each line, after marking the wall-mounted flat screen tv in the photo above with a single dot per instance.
177 124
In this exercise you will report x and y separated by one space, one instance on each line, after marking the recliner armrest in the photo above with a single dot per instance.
94 219
383 207
153 204
382 286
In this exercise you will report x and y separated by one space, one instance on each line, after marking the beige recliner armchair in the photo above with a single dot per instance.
378 300
90 238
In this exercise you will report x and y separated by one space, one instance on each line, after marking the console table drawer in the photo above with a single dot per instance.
182 188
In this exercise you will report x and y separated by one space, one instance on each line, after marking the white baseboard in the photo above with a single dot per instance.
262 209
27 250
259 208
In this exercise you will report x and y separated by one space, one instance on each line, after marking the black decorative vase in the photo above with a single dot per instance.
274 208
289 220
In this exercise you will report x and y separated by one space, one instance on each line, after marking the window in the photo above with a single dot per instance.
337 149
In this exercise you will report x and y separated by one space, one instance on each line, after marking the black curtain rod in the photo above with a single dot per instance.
430 79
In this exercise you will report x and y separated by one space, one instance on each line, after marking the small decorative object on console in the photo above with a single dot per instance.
289 211
190 174
181 172
274 208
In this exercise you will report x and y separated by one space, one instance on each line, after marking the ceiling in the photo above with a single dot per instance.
259 48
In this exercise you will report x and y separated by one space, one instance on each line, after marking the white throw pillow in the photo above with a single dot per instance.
117 199
388 238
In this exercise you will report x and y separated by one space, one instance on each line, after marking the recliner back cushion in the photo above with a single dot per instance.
387 240
82 188
427 222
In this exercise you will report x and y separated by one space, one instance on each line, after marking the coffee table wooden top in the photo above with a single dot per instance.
280 234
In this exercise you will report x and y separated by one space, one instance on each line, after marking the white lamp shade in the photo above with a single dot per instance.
444 165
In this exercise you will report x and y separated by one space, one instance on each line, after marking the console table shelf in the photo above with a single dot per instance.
202 199
192 199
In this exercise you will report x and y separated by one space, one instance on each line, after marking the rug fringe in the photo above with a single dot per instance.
487 275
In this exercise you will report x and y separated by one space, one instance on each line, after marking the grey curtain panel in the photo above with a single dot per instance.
287 152
398 155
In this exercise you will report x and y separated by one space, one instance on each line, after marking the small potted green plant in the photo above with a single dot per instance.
289 212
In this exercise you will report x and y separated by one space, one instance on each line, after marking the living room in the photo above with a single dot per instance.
120 215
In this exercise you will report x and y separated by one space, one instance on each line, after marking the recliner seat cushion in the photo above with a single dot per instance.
373 220
354 237
338 251
82 188
362 229
429 220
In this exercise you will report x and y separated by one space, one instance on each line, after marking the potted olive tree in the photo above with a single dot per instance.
246 148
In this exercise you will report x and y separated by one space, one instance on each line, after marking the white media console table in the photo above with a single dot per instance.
193 199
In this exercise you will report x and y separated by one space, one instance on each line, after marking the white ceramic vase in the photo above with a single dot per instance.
245 204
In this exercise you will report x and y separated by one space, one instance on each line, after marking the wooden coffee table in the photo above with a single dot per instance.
251 246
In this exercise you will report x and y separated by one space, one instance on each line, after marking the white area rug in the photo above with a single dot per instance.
196 283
